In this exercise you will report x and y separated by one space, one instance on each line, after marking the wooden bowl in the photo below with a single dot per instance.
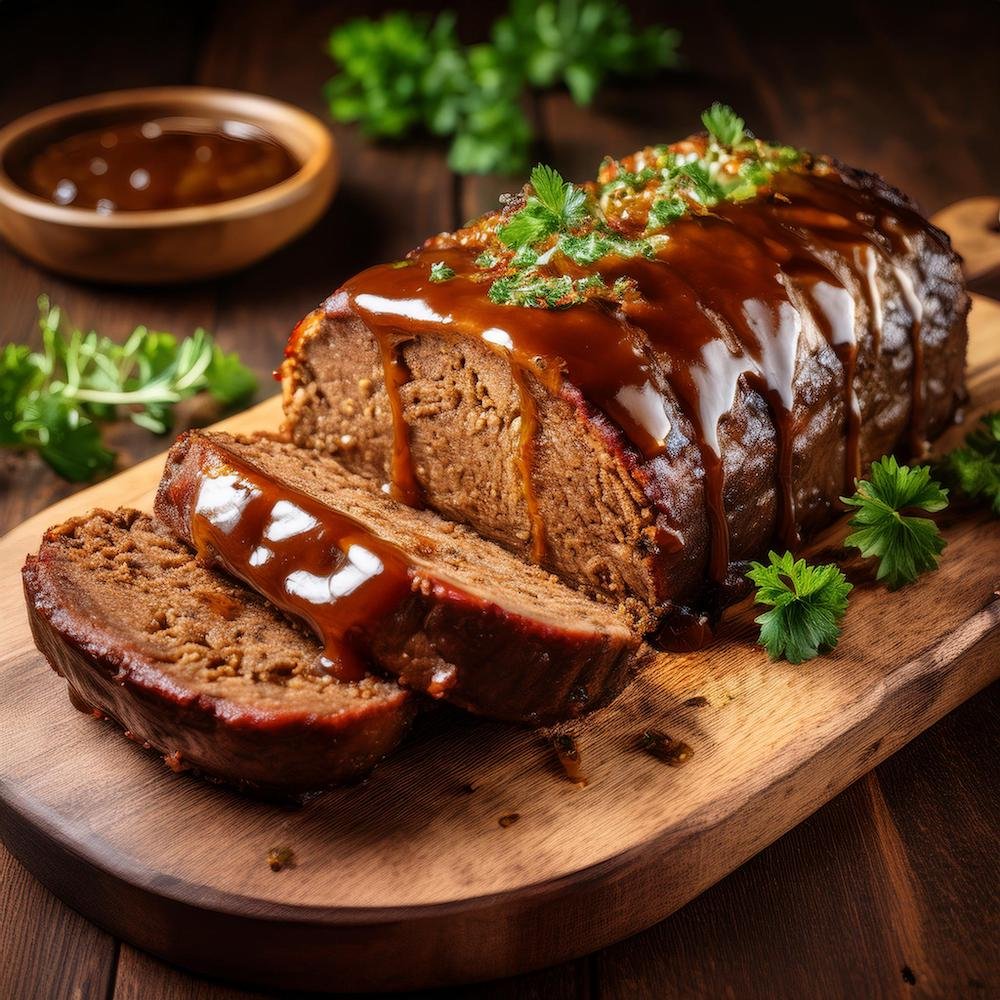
170 245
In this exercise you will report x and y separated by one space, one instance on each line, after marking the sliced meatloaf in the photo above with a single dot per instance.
449 613
195 665
645 422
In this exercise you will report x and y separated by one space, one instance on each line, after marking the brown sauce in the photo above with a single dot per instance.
568 755
159 164
314 563
720 306
663 747
403 484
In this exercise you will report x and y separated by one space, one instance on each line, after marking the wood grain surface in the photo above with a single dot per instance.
468 854
890 889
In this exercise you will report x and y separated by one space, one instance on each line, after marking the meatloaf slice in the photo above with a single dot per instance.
702 400
195 665
449 613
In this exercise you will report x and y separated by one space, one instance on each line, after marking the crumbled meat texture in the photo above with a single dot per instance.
478 627
448 550
126 569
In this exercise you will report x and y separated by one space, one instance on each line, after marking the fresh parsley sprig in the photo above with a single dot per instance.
405 72
807 605
975 468
905 545
54 400
724 125
562 224
554 206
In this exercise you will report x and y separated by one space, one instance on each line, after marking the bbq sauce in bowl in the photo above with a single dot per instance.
161 163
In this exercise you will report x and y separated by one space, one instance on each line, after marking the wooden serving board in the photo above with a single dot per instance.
410 879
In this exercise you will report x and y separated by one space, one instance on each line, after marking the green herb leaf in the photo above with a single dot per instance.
440 271
976 467
700 185
666 210
53 401
807 605
581 44
555 206
227 379
406 71
528 226
905 546
724 125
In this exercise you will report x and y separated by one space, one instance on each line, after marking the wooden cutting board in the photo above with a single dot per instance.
469 855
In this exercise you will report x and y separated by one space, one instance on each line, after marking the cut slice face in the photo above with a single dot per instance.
449 613
195 665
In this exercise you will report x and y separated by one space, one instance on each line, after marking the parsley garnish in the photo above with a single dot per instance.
540 292
406 71
976 466
665 210
555 206
53 401
536 252
905 546
440 271
807 604
723 124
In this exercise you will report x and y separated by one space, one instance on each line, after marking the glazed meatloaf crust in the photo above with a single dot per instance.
196 666
452 615
645 443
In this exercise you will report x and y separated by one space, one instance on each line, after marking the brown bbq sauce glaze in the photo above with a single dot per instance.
316 564
720 304
164 163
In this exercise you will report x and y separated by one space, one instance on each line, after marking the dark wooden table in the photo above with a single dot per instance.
892 888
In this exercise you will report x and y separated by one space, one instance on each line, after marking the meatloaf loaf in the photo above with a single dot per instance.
656 389
196 666
452 615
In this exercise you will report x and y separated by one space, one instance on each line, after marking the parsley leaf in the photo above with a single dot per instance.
699 183
905 546
666 210
976 466
405 71
580 44
807 605
556 205
440 271
54 400
724 125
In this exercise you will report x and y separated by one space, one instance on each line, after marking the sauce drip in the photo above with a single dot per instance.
314 563
404 486
159 164
721 304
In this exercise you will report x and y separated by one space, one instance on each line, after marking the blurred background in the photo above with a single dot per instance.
908 90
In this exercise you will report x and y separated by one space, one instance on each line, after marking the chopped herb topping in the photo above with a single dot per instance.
561 227
440 271
665 210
